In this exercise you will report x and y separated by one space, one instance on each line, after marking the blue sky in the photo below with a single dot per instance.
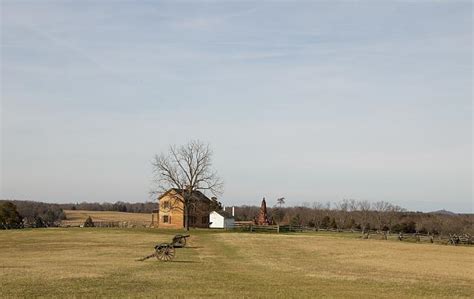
314 101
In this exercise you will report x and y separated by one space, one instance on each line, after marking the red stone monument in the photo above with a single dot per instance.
262 218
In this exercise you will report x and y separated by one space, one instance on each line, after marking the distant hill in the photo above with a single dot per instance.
444 212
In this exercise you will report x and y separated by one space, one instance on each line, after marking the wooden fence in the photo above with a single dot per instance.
246 226
452 239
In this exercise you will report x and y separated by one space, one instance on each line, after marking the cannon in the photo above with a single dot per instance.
179 241
166 251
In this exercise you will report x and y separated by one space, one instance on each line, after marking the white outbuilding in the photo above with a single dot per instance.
221 220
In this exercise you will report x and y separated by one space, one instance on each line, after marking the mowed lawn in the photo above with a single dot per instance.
91 262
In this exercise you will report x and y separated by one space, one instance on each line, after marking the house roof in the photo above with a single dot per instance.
224 214
196 194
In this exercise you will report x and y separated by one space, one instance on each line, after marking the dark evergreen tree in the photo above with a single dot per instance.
39 222
9 216
89 222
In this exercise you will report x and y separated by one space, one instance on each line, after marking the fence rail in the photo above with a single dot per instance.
267 228
452 239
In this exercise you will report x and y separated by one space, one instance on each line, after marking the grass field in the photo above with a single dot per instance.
90 262
78 216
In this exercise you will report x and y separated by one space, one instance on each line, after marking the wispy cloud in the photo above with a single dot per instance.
367 100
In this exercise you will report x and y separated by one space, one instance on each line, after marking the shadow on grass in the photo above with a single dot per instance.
192 247
185 262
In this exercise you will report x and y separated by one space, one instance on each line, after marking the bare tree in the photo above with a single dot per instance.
187 168
277 212
353 204
392 214
341 213
281 201
381 209
318 214
364 210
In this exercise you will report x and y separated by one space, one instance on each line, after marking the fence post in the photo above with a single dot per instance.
251 226
278 228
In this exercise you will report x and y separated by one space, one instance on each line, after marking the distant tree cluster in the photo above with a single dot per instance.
9 216
36 214
363 216
118 206
39 214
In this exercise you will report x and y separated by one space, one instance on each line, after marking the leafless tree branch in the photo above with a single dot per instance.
187 168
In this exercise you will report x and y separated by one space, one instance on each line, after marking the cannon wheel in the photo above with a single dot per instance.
181 242
165 253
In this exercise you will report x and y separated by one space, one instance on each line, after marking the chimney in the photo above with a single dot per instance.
233 210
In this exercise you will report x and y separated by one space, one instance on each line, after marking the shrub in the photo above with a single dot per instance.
405 227
295 220
333 223
325 222
352 224
39 222
89 222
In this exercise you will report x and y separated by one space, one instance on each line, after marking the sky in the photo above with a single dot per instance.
313 101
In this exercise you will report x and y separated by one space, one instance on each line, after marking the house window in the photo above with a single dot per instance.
205 220
165 205
166 219
192 219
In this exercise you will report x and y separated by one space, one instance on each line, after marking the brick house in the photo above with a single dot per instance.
171 210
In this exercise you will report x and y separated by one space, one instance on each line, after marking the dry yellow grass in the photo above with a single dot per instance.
377 261
77 216
101 262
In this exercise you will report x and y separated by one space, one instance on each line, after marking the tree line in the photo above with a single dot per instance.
343 215
22 213
119 206
363 216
